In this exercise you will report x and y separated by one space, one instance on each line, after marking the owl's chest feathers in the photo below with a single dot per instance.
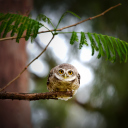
62 85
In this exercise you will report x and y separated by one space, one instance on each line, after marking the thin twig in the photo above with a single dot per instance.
90 18
27 66
60 29
34 96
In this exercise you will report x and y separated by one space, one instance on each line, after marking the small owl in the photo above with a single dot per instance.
64 77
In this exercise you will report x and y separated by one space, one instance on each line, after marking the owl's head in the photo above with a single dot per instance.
66 72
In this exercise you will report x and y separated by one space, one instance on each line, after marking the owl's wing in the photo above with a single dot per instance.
50 74
78 77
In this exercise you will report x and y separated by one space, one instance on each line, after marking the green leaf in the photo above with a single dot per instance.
74 14
92 41
110 45
101 52
35 30
63 15
45 19
74 38
20 32
117 49
29 29
9 25
125 45
93 44
121 46
4 23
105 46
2 26
82 40
112 49
4 17
18 24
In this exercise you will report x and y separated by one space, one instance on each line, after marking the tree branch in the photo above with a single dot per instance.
27 66
34 96
60 29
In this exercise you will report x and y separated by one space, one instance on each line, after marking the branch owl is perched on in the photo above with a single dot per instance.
64 77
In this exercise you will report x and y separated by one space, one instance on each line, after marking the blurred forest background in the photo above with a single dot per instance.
103 101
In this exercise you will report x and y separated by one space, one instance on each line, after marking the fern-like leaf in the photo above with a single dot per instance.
45 19
74 38
97 39
64 14
112 48
105 45
20 32
35 30
125 45
83 40
117 48
17 24
74 14
93 44
9 26
106 48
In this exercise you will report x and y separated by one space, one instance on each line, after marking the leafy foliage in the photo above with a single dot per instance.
45 19
83 40
74 38
103 44
17 24
64 14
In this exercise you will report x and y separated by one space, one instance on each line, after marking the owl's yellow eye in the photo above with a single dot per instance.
70 72
61 71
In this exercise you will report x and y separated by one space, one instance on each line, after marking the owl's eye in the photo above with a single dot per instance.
61 71
70 72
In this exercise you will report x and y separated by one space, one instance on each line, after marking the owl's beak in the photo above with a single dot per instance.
65 76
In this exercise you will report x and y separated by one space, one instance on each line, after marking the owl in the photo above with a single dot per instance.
64 77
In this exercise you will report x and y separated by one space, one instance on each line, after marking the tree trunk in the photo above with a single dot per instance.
14 114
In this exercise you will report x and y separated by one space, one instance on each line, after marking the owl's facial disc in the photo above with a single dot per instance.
65 75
